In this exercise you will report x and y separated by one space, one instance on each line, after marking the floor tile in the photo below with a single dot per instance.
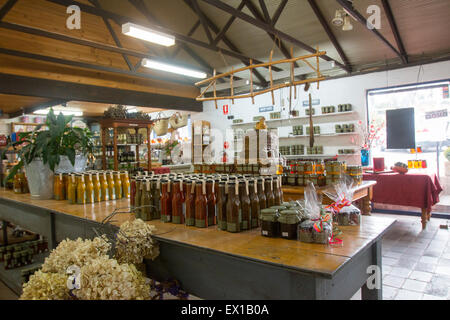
426 267
389 261
444 262
408 295
392 254
393 281
432 253
430 297
414 285
400 272
438 286
421 276
443 270
405 263
389 293
427 259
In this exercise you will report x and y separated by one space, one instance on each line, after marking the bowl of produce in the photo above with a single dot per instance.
400 167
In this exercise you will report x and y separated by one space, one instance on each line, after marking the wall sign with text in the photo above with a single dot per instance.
315 102
266 109
436 114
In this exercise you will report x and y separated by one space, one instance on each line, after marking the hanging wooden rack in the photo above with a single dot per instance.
213 80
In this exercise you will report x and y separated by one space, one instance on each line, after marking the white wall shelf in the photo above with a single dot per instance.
321 135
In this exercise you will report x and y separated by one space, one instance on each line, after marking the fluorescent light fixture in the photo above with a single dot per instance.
150 35
66 112
131 109
152 64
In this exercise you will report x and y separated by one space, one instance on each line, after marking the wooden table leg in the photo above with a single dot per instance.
366 202
424 218
429 214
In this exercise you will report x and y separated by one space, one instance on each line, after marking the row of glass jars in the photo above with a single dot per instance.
91 186
231 202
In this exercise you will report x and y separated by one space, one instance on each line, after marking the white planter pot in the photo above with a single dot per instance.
65 166
40 180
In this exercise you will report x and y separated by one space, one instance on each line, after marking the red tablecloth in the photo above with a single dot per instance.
412 189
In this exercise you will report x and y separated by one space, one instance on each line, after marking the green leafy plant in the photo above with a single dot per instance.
60 139
447 154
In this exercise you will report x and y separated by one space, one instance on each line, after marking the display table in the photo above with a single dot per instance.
362 192
411 189
213 264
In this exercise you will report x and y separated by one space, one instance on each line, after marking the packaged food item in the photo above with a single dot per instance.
344 212
289 220
270 227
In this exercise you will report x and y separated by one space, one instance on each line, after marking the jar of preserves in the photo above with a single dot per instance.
211 201
201 218
104 187
89 188
81 189
254 203
166 209
233 207
72 190
190 203
117 185
245 205
177 202
289 220
222 205
268 186
262 194
97 187
270 226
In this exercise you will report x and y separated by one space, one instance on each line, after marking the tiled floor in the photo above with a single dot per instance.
416 263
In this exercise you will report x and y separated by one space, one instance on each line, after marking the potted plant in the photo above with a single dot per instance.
41 152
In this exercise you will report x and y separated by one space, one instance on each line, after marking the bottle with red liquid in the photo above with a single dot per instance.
254 201
262 194
177 202
268 186
166 203
201 218
190 203
211 201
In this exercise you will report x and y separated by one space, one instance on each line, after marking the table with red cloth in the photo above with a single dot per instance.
161 170
419 190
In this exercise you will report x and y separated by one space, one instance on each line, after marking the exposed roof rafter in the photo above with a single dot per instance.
6 8
393 24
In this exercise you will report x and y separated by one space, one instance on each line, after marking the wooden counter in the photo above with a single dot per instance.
215 264
362 193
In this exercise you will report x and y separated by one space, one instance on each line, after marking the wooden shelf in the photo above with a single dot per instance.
321 135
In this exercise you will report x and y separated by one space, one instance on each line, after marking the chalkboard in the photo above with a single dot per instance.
400 129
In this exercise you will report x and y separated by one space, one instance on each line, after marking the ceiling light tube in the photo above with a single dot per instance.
74 113
147 34
152 64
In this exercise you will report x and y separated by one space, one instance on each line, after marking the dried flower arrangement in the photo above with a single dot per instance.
371 135
46 286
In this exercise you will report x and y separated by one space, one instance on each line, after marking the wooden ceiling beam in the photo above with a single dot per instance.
36 107
330 33
393 24
114 36
70 91
6 8
278 12
347 5
190 33
267 27
228 25
202 18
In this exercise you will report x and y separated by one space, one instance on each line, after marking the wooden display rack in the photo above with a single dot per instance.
106 124
200 140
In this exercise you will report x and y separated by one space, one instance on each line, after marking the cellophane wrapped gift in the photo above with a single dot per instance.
344 212
318 228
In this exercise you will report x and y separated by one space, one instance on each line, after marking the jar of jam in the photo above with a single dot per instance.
190 203
289 220
201 218
262 194
233 207
270 197
222 205
177 202
270 226
211 201
254 202
166 209
245 205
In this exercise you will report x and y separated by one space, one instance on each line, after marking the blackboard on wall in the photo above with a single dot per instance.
400 129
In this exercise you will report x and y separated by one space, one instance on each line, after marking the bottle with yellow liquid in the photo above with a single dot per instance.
58 187
117 185
97 187
111 186
104 188
125 184
81 190
89 188
72 190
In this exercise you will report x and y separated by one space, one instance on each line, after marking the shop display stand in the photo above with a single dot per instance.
106 124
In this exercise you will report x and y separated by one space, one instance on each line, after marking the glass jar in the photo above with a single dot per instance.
262 194
233 207
190 203
166 210
245 205
97 187
117 185
289 220
222 205
177 202
270 227
89 188
81 190
270 197
201 217
254 203
211 202
104 187
72 190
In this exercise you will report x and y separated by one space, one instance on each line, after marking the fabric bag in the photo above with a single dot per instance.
161 125
178 120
